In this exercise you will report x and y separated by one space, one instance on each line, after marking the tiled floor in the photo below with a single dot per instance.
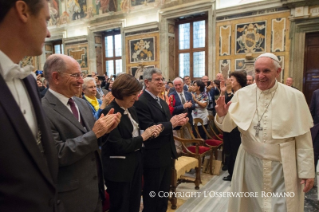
205 203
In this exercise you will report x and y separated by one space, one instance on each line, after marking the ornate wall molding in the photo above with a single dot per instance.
298 30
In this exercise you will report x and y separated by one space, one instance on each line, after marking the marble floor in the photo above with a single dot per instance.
205 202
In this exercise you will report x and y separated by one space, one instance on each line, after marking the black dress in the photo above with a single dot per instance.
232 142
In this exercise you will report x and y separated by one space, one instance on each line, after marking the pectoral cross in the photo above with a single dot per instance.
257 128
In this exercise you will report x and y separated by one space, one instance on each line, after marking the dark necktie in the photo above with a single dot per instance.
158 101
182 98
73 108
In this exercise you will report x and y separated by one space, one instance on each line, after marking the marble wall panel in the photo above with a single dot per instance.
278 28
225 40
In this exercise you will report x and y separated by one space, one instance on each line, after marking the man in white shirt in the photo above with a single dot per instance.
28 159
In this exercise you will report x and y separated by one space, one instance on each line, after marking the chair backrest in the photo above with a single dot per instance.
212 127
196 122
187 132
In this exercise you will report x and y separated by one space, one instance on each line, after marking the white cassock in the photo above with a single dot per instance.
276 159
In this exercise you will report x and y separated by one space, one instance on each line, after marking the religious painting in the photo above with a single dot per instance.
137 72
224 66
54 12
250 37
239 64
278 28
80 53
142 50
77 9
105 6
224 40
140 2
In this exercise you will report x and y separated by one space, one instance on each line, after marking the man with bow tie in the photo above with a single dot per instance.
28 162
76 134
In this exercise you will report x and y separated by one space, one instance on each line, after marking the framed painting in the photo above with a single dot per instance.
142 50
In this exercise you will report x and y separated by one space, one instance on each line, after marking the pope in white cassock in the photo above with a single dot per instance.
275 158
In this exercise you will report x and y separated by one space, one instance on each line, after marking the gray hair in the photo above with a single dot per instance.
54 63
148 73
86 81
177 79
251 76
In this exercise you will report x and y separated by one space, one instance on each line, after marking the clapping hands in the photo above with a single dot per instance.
179 120
152 131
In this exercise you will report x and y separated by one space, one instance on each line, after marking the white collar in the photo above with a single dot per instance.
61 97
155 97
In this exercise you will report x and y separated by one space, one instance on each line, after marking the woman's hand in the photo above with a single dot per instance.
106 100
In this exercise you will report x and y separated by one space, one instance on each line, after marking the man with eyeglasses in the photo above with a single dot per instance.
77 136
158 152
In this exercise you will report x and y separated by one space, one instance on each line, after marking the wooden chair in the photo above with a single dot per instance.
180 166
199 150
212 143
216 132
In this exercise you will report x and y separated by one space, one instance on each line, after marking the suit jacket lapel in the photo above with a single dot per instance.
84 114
153 101
63 110
42 122
21 126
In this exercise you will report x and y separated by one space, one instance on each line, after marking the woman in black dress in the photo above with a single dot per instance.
232 139
121 153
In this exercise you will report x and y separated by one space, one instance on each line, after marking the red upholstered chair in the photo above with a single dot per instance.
211 142
215 131
194 147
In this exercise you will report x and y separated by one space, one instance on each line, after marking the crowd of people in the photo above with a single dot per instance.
58 153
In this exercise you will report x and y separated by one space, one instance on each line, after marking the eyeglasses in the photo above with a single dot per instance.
157 79
76 75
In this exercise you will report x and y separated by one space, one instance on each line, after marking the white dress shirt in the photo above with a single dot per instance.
19 92
65 101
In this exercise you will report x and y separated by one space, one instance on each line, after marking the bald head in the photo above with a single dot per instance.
205 80
220 77
64 74
289 81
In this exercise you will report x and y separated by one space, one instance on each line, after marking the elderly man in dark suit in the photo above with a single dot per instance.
80 180
28 163
184 102
152 110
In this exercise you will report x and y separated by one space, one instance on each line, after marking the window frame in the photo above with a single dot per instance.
191 50
57 42
114 58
